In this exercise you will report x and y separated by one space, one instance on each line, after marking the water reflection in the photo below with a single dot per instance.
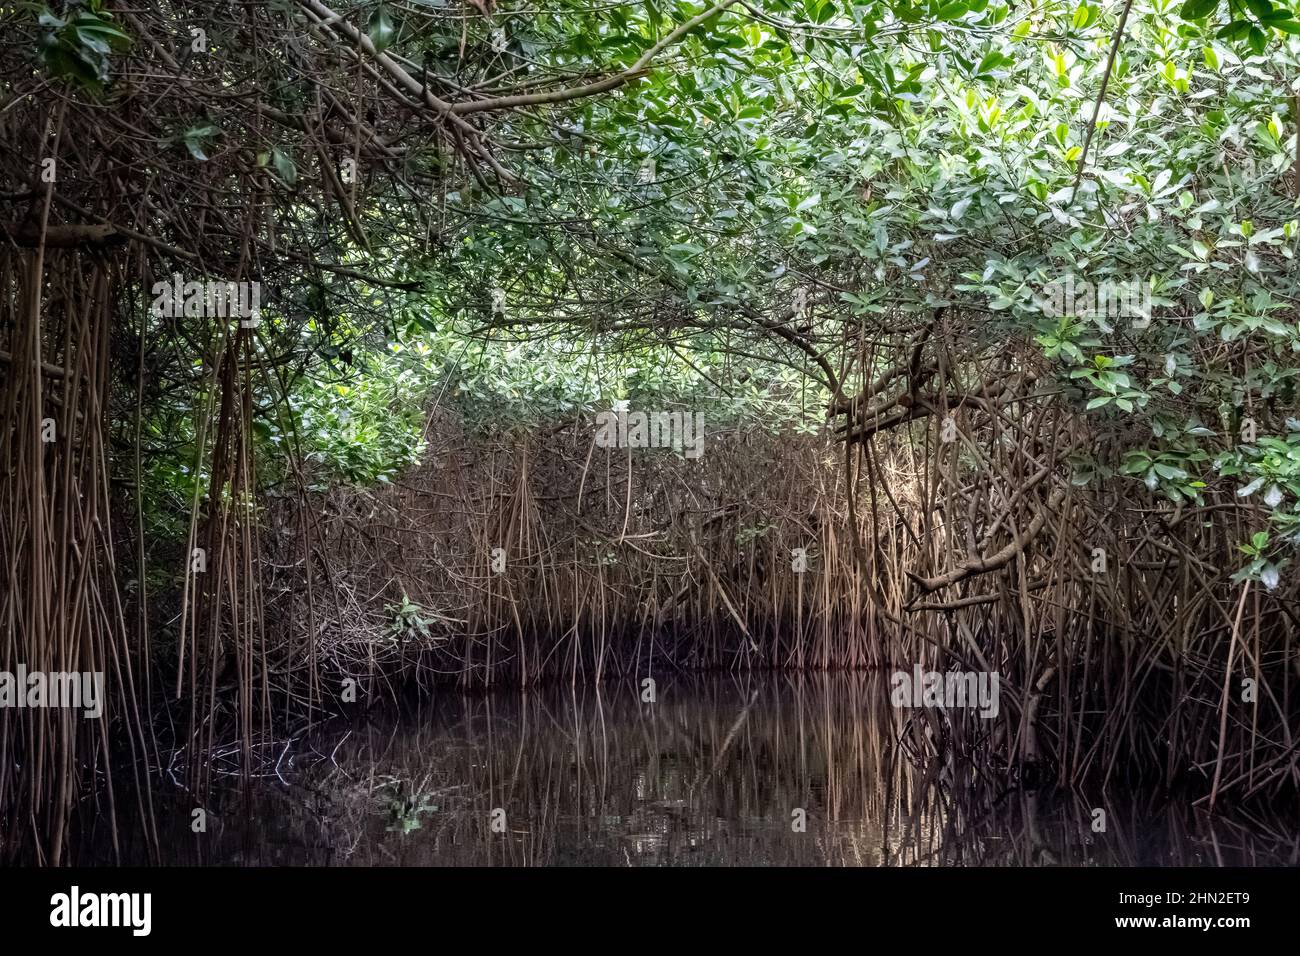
752 770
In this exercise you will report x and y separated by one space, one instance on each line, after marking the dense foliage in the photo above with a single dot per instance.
1022 273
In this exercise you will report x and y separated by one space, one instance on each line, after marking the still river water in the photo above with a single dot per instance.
751 770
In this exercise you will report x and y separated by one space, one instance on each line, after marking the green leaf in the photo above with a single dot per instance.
381 30
990 61
196 140
1234 30
1260 8
284 166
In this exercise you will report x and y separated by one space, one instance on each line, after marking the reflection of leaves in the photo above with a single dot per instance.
405 812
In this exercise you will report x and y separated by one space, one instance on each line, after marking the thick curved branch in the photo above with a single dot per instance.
973 566
600 86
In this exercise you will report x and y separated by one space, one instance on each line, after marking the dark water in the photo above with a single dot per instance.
717 772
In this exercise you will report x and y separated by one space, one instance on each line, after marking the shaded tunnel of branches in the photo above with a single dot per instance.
936 507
